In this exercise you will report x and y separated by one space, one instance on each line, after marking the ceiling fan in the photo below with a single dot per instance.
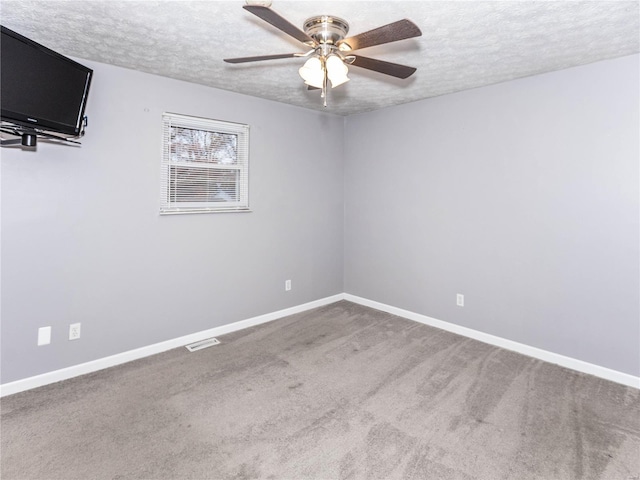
331 51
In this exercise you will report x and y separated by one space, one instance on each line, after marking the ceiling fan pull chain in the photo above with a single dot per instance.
324 81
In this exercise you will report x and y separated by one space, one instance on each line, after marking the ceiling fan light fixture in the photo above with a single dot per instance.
336 71
312 72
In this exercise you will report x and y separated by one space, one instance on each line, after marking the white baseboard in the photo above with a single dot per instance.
113 360
555 358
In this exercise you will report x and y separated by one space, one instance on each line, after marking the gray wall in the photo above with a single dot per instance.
522 196
82 240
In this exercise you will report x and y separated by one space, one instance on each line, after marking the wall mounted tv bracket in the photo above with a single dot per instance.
29 136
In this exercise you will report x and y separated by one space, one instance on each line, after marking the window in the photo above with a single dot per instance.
205 165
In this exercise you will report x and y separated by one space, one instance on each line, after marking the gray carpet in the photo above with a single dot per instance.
339 392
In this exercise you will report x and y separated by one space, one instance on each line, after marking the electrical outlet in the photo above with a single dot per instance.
460 300
287 285
74 331
44 336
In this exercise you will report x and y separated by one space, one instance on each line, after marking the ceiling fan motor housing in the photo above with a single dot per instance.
326 29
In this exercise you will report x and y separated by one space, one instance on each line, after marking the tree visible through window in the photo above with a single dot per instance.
204 165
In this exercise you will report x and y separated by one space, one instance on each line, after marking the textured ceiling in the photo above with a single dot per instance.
465 44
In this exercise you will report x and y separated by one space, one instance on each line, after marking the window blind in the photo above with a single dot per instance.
205 165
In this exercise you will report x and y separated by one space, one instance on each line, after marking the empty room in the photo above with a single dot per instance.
320 240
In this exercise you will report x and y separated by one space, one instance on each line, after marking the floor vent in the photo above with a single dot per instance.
209 342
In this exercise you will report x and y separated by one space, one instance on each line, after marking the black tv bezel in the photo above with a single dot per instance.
20 118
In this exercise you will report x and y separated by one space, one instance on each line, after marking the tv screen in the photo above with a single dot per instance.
40 88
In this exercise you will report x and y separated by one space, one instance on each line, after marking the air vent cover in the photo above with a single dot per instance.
209 342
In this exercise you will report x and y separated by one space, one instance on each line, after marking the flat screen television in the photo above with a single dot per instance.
40 88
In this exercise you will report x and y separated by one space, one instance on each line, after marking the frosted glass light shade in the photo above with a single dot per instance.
336 71
312 72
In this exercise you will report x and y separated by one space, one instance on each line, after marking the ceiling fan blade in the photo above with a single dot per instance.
260 58
388 68
400 30
269 16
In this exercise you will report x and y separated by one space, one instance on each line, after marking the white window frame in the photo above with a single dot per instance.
169 206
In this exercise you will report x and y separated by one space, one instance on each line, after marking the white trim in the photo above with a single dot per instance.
124 357
95 365
568 362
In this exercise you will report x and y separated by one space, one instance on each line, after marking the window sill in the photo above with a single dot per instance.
187 212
